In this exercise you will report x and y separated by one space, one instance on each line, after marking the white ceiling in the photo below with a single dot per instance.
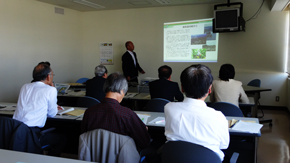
126 4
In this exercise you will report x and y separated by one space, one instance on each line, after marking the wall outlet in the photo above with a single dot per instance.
277 98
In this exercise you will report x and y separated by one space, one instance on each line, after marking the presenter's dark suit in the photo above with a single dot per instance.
165 89
94 87
129 68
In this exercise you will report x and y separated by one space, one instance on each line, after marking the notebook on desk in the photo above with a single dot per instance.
245 126
71 111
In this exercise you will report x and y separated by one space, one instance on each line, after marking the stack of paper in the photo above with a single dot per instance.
4 108
130 95
158 121
76 112
143 117
247 127
71 111
61 112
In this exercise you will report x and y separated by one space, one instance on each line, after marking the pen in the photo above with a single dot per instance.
159 121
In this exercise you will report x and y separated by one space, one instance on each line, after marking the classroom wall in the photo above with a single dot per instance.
30 32
256 53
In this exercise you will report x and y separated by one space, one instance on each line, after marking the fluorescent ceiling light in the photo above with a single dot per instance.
163 2
88 3
136 3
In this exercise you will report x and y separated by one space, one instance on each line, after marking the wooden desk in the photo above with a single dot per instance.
243 143
71 127
13 106
64 124
255 91
147 97
8 156
70 98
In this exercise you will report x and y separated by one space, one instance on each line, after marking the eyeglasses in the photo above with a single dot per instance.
51 74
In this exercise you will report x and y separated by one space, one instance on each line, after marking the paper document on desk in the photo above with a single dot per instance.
130 95
143 118
76 112
247 127
147 97
8 108
234 121
61 112
158 121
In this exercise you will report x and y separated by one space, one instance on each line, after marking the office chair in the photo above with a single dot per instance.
156 105
227 109
17 136
104 146
186 152
82 80
257 83
87 101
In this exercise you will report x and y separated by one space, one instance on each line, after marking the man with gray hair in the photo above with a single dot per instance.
110 115
94 86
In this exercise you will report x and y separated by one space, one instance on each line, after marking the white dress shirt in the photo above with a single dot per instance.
228 91
36 102
192 121
133 57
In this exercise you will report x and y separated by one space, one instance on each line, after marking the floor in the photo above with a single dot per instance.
273 145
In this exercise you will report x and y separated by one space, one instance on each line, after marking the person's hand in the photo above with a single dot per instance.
147 128
59 107
143 72
128 78
51 84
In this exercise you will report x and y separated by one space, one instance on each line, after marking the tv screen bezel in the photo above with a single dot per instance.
236 28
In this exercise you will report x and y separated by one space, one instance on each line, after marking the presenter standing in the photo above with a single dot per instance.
130 63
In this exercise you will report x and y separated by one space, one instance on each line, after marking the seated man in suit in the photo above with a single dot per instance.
191 120
111 116
164 87
36 102
94 86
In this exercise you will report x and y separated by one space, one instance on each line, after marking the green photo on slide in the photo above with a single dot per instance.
198 53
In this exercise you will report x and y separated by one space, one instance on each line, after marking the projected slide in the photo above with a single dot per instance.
190 41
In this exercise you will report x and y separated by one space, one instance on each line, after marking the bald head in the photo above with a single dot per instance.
41 71
129 45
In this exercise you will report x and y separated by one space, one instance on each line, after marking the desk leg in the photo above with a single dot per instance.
256 149
254 111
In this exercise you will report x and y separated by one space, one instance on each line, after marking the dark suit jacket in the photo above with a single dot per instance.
94 87
128 66
166 89
17 136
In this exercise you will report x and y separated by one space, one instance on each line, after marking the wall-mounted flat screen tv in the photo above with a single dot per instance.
226 20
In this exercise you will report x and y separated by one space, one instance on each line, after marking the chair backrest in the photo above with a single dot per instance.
103 146
82 80
255 83
87 101
227 109
156 105
186 152
17 136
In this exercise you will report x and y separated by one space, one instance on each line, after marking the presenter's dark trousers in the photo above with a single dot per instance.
56 142
134 80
